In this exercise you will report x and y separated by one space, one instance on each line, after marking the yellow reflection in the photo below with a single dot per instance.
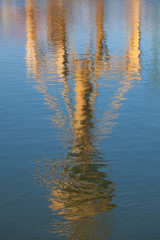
129 67
32 60
57 41
38 64
133 66
57 34
79 190
82 192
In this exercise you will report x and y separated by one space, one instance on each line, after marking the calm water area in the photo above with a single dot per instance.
80 119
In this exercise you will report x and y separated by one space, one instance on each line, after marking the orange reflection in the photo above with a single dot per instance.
129 67
31 47
79 190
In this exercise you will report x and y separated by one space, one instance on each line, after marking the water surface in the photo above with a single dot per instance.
79 92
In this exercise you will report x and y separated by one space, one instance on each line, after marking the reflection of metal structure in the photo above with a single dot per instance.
78 189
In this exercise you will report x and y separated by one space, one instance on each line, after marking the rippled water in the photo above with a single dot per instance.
80 119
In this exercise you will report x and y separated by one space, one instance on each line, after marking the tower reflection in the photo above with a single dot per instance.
80 192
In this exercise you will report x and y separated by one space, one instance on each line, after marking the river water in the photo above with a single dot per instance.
80 119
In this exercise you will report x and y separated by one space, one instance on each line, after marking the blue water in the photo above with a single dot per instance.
80 100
